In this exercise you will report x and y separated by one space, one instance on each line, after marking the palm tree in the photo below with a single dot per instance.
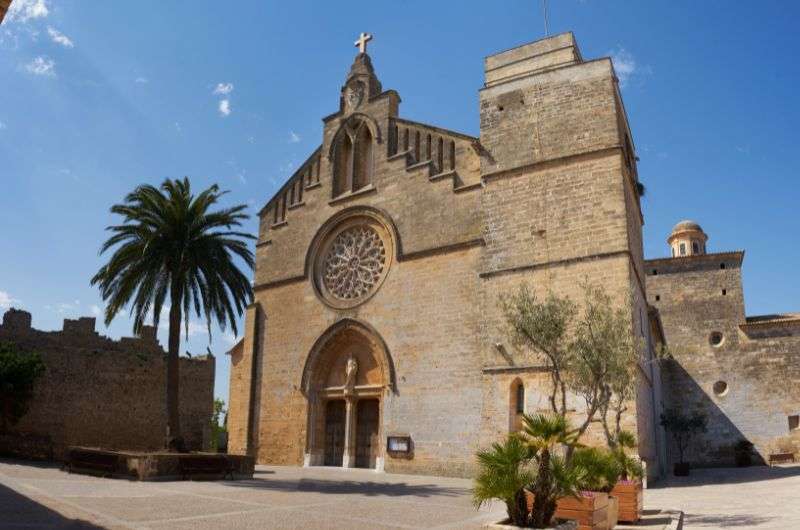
171 248
504 474
554 477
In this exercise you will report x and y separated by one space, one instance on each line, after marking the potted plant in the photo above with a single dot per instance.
628 489
743 453
602 471
682 430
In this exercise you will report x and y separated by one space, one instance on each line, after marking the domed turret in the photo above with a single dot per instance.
687 239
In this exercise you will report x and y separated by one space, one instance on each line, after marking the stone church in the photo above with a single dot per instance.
375 339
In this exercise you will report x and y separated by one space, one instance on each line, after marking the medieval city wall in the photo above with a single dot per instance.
100 392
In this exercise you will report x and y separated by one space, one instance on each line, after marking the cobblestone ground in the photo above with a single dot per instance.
33 497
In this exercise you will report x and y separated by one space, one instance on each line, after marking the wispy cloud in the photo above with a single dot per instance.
59 38
3 126
6 300
64 307
225 107
41 65
25 10
624 65
223 89
96 310
141 80
628 69
293 137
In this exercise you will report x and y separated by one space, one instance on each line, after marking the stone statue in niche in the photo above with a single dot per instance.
350 372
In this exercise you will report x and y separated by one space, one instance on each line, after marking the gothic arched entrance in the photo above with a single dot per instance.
347 375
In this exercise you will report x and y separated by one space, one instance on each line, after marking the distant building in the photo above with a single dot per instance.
742 372
99 392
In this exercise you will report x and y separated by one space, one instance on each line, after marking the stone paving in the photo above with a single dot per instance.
38 496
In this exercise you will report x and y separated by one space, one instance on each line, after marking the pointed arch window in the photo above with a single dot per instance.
353 159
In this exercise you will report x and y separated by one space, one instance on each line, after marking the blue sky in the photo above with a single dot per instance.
98 97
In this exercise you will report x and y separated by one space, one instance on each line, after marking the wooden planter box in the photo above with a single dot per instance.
590 511
631 500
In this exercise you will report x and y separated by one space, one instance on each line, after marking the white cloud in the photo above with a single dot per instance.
59 38
3 126
178 128
64 307
41 66
25 10
293 137
624 65
141 80
225 107
96 310
6 300
223 89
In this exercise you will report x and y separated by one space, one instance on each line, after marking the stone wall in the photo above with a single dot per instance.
547 196
748 385
100 392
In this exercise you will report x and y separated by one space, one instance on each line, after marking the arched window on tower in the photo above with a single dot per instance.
362 160
516 405
353 159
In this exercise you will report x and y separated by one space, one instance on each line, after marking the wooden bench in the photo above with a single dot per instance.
781 458
205 465
103 463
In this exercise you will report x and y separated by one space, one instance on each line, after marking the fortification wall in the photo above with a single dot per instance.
100 392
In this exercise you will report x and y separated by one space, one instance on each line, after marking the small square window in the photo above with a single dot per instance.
724 292
658 298
794 422
655 272
722 266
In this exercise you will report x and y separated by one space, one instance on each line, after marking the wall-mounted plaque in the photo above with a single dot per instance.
398 446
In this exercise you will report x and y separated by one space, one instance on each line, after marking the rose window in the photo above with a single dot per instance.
354 263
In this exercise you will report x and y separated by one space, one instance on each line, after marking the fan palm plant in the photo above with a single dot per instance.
554 477
172 248
504 473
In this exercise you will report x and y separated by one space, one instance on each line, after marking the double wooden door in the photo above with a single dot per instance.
366 432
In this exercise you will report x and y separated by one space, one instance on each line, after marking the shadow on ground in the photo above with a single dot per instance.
344 487
20 511
729 475
725 521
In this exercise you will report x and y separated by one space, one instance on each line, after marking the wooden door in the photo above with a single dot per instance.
367 414
334 432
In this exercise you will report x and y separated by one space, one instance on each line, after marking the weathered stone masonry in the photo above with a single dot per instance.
548 195
742 372
99 392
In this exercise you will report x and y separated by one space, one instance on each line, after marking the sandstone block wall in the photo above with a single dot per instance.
756 367
99 392
548 195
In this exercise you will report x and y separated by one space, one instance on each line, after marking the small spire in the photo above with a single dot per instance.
362 41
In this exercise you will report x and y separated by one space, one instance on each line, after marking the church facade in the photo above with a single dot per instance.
376 339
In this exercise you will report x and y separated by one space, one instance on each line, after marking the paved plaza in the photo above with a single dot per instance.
34 496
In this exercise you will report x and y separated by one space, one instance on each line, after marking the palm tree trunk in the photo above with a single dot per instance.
173 366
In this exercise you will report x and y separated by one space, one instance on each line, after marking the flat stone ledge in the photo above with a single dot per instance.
154 466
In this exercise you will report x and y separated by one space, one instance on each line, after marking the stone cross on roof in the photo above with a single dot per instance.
362 41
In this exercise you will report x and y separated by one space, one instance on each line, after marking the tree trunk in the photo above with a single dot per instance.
173 367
